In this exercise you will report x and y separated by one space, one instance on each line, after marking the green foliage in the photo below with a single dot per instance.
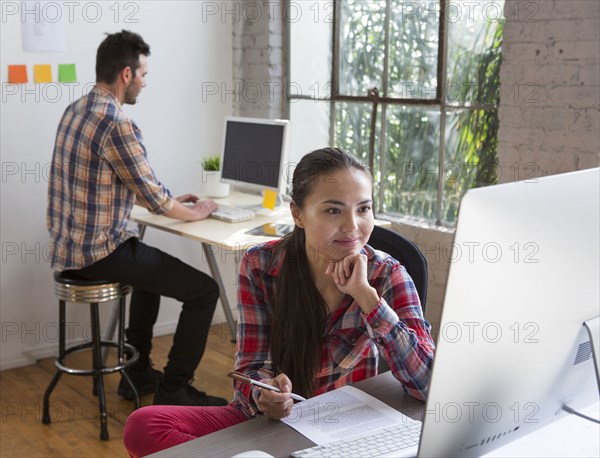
212 163
407 163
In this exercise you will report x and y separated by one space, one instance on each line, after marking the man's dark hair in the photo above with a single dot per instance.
118 51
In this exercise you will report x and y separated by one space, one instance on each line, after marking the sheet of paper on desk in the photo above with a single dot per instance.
341 413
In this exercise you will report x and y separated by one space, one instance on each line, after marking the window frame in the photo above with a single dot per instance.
439 101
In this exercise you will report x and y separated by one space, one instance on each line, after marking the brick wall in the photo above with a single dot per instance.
549 115
258 61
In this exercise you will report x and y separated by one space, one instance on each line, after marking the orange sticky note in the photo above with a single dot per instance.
17 74
269 199
42 73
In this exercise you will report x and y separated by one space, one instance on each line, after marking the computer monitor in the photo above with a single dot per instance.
512 350
255 154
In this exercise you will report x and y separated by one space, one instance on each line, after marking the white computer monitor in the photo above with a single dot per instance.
254 154
512 350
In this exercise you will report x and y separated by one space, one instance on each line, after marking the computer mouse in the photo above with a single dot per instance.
253 454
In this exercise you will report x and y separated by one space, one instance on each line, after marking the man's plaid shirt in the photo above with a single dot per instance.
352 340
99 169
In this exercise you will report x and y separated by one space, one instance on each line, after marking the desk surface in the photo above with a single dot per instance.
570 436
279 439
230 236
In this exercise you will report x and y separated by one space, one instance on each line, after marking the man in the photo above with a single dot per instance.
99 168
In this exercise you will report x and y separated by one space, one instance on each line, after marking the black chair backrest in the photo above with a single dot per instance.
409 255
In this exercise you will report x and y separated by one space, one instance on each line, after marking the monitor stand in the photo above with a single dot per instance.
593 327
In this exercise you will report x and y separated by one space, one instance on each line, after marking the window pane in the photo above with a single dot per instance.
414 38
474 39
411 161
361 45
470 158
353 128
310 28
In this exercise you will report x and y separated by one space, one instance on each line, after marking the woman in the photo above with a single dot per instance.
315 310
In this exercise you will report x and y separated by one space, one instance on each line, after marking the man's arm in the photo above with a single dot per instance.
126 153
199 210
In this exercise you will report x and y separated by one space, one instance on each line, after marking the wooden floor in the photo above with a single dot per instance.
75 428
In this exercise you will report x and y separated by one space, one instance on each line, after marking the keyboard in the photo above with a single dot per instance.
232 214
400 440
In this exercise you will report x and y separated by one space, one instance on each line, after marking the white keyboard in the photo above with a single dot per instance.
232 214
395 441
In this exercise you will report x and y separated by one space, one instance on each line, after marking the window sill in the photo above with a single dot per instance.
416 223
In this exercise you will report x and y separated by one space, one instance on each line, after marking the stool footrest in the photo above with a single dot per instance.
104 370
70 287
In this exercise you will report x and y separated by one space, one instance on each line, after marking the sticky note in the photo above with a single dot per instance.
67 73
270 229
17 74
42 73
269 199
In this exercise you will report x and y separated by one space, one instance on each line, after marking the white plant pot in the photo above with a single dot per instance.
213 187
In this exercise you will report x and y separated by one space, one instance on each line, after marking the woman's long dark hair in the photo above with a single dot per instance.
299 311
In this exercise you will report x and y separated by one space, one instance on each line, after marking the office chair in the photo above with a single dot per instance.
410 256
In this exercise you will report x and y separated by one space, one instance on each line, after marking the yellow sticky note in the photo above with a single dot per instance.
269 199
270 229
42 73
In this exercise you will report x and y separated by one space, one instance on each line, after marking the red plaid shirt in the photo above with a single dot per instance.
352 340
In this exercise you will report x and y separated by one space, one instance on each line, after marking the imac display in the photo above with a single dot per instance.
513 353
255 154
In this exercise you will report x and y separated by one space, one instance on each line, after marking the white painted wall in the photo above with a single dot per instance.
179 129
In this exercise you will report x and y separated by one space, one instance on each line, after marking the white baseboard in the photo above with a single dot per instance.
15 361
31 356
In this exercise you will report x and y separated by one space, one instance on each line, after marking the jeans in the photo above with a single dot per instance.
153 273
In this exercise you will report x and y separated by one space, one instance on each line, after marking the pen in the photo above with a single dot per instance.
243 378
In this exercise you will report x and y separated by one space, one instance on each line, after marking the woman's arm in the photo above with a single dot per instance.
392 312
252 357
399 329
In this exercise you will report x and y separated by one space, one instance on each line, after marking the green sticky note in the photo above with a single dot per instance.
67 73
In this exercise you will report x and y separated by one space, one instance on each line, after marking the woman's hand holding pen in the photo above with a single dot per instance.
277 405
350 277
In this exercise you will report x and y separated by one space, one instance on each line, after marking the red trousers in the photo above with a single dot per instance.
155 428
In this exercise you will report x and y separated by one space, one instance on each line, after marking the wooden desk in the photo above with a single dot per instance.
214 233
568 437
279 439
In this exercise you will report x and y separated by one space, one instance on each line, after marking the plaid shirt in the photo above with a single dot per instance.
352 340
99 169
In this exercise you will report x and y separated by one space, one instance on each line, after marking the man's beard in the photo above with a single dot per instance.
131 92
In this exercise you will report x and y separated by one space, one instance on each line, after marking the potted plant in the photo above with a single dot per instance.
211 177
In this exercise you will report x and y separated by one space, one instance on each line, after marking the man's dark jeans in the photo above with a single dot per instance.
153 273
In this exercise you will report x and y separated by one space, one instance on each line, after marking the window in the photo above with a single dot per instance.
410 87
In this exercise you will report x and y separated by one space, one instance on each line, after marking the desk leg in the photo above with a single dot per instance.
214 269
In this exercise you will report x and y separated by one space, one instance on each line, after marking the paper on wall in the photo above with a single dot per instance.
42 26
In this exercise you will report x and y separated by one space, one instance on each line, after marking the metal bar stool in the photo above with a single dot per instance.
71 288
